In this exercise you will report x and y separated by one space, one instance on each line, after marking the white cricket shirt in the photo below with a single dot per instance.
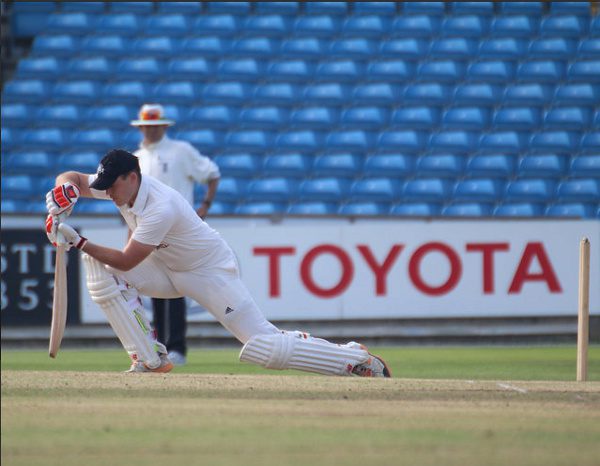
161 217
177 164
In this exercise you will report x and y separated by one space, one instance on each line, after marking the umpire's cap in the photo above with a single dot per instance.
115 163
152 115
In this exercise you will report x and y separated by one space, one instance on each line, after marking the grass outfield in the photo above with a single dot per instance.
446 406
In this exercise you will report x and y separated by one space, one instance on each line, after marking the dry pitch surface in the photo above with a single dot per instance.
102 418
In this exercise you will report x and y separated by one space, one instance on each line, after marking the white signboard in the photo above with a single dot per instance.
404 269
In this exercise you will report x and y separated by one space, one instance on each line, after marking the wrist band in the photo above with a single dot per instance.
81 242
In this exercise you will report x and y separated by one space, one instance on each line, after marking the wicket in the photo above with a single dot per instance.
583 318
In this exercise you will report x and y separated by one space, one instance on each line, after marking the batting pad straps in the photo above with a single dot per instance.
298 350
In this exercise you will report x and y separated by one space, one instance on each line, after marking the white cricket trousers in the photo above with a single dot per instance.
219 290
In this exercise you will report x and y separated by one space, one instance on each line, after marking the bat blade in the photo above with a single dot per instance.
59 303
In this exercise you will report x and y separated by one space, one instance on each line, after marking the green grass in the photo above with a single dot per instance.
473 362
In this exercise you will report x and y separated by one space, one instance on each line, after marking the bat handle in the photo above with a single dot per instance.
60 238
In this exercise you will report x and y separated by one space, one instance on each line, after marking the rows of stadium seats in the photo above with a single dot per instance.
362 108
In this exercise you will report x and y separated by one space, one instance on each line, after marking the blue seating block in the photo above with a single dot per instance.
535 9
393 165
372 8
441 165
328 8
316 26
17 115
328 189
304 47
416 26
314 117
365 117
94 139
235 8
363 208
312 208
590 143
180 7
522 26
204 46
256 140
577 94
345 70
519 209
381 93
547 71
126 92
402 141
564 26
455 141
81 161
404 49
267 117
115 116
496 71
294 70
589 48
216 24
415 209
242 69
353 47
228 92
427 94
212 116
37 162
457 48
527 94
327 93
472 8
555 141
570 209
140 8
268 25
106 45
39 68
471 26
60 116
351 139
441 71
508 48
43 139
568 118
492 165
467 118
71 23
518 118
31 91
263 47
239 164
55 45
276 94
467 209
373 26
595 26
231 189
508 142
282 8
337 164
168 24
97 207
260 208
303 140
556 48
78 92
143 69
278 189
291 165
543 165
205 140
119 25
585 166
15 187
531 190
477 94
478 190
585 71
99 68
222 208
419 117
382 189
427 8
11 137
427 190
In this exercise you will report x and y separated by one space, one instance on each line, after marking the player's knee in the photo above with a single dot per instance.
272 351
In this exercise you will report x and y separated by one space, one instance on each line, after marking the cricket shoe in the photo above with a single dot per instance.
374 366
177 358
165 366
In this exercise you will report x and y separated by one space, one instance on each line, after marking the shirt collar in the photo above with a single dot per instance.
142 197
156 144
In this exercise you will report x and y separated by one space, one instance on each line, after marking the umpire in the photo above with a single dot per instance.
179 165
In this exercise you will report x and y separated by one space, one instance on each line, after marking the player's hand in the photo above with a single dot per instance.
72 238
52 229
61 199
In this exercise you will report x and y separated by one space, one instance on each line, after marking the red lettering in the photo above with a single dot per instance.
274 272
382 270
546 275
487 250
345 279
415 273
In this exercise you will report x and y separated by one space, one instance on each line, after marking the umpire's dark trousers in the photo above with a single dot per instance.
170 323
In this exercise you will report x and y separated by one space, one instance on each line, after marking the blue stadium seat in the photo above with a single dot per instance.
477 94
59 116
29 18
492 165
447 71
43 139
585 166
468 209
54 45
115 116
205 140
107 46
119 25
141 8
354 47
424 8
239 164
340 164
14 206
466 118
97 207
570 209
478 190
508 48
507 142
251 140
260 208
257 47
530 190
393 165
304 47
155 46
204 46
457 48
547 71
126 92
213 116
234 8
128 139
267 117
294 70
191 8
93 139
311 208
518 118
381 93
328 8
576 94
83 161
555 141
81 92
219 25
316 26
16 187
329 189
326 93
314 117
454 141
365 117
404 49
557 48
364 208
276 94
441 165
352 139
535 9
590 143
290 164
520 26
491 71
222 208
402 140
589 48
415 26
568 118
471 26
172 25
231 189
418 117
344 70
26 91
527 94
564 26
282 8
519 209
472 8
595 26
268 25
70 23
229 92
584 71
374 8
37 162
240 69
543 165
11 137
278 189
39 68
98 68
17 115
427 94
415 209
427 190
570 8
372 26
142 69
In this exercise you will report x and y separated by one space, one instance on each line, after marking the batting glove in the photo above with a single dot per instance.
61 199
72 238
51 229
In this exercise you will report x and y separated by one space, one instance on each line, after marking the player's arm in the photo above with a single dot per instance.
211 191
78 179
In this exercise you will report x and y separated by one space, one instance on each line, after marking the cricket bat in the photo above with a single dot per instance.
59 302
